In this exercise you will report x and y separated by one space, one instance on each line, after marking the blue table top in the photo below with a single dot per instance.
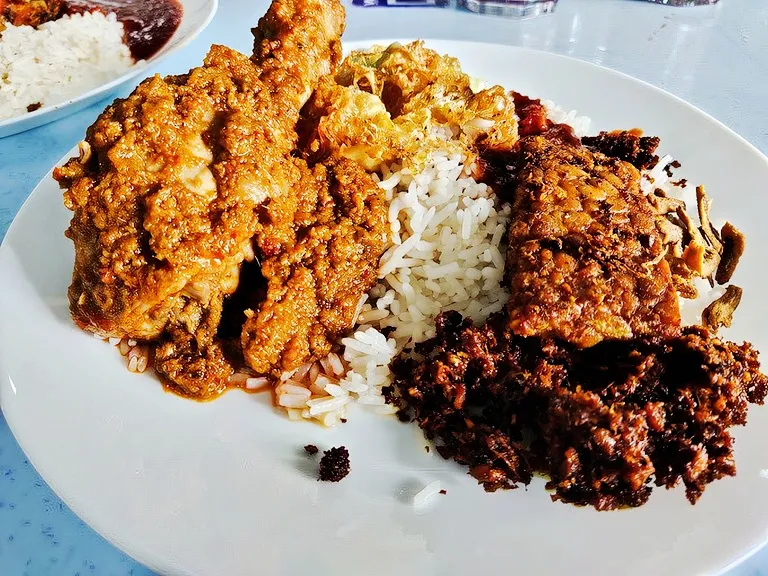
716 48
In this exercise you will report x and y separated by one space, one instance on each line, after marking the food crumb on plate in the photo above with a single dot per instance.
334 465
422 496
310 449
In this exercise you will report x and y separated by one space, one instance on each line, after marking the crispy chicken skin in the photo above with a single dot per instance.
339 231
166 190
585 260
415 82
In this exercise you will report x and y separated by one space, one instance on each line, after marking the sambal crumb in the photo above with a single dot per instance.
443 492
668 168
426 448
334 465
628 145
310 449
387 330
343 420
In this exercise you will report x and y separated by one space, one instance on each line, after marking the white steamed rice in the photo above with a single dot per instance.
59 60
423 496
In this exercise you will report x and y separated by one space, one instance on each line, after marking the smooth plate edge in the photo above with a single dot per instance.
158 564
30 120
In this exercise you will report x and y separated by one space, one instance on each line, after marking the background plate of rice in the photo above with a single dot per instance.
225 488
78 40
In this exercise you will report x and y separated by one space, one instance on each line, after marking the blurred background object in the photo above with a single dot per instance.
506 8
401 3
680 3
509 8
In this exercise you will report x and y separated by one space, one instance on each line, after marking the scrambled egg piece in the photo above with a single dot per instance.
392 103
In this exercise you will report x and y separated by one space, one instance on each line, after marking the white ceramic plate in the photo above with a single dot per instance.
224 488
197 15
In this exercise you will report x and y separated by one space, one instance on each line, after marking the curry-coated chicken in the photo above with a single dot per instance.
166 189
320 265
586 261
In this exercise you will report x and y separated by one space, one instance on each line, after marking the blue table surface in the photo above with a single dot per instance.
39 535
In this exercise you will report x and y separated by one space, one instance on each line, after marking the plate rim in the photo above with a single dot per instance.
161 565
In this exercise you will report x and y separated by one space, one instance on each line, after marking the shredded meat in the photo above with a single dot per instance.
585 260
603 423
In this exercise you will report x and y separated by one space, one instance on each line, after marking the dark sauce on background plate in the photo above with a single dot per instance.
148 24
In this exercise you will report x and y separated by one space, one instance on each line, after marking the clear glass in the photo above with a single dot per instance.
680 3
510 8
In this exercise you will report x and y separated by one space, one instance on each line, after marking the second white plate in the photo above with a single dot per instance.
196 16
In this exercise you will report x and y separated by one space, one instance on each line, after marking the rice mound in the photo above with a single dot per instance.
59 60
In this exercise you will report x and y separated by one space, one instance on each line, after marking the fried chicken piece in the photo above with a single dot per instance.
384 100
166 191
295 44
29 12
603 423
585 260
338 232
